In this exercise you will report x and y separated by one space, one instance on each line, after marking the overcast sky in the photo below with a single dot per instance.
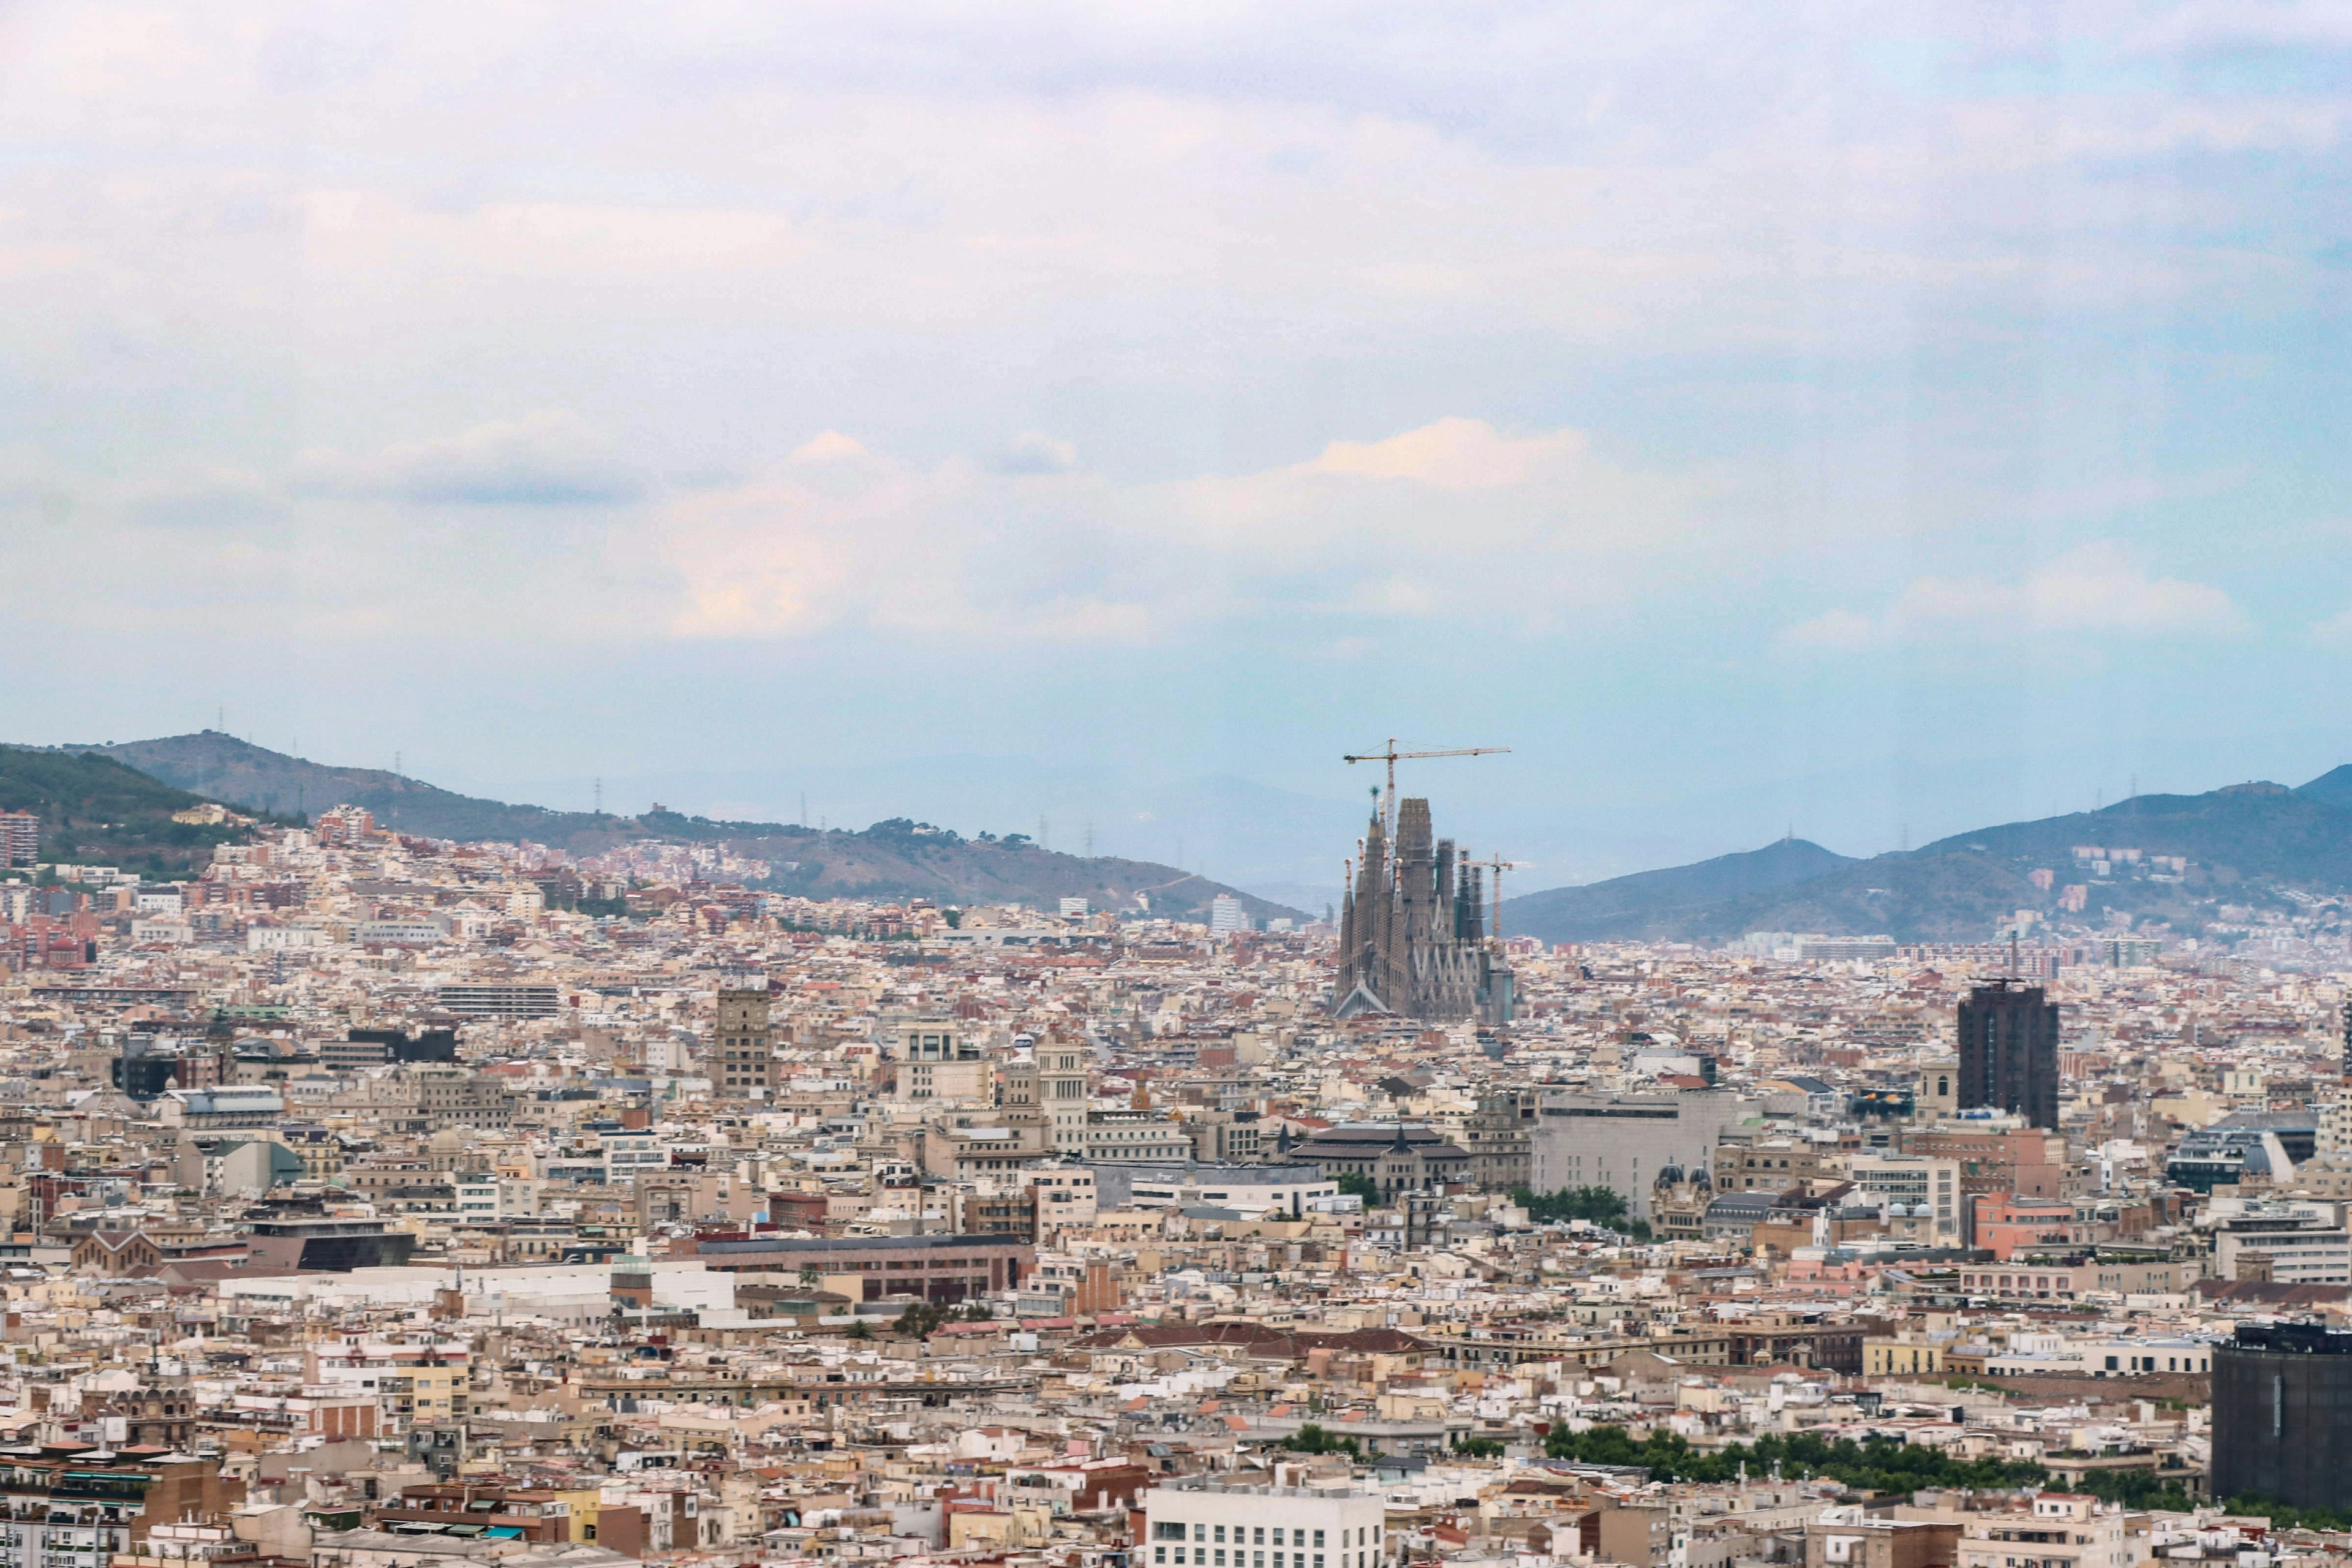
1700 399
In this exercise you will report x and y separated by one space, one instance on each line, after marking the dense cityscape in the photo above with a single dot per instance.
381 1201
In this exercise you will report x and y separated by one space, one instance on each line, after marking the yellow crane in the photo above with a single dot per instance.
1393 756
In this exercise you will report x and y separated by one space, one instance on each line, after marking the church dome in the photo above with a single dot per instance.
1670 1174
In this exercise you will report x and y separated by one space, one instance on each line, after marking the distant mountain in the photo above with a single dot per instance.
1662 903
96 811
893 859
228 769
2333 787
2248 843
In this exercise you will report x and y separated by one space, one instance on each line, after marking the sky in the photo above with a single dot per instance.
1863 421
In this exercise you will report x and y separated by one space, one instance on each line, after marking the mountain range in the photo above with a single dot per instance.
895 858
2251 844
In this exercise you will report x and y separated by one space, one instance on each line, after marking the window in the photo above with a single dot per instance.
1164 1531
1221 1541
1319 1538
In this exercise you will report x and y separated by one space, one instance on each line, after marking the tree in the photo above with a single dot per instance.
859 1330
1356 1184
1478 1447
1598 1204
1876 1464
1311 1438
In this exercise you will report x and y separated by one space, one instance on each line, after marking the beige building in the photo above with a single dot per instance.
743 1061
2062 1529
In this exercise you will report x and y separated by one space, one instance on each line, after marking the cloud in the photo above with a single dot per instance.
2334 634
1034 452
552 457
2096 590
1408 527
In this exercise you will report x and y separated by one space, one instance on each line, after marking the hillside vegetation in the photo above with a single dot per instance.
95 810
897 858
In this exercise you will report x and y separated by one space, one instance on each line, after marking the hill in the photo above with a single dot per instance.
2249 844
2333 787
1624 908
897 858
94 810
239 771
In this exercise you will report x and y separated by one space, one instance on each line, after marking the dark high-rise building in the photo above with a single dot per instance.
1411 940
2283 1414
2009 1051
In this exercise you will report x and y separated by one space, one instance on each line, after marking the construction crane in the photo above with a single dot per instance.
1393 756
1498 865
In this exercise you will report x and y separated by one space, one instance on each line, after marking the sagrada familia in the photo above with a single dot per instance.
1411 942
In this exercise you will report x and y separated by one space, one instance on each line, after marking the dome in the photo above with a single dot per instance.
1669 1174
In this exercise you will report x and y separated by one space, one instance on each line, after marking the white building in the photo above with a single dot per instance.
1203 1525
1926 1191
1226 915
2295 1249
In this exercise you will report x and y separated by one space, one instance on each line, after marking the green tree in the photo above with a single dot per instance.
1478 1447
1311 1438
1597 1204
1356 1184
1875 1464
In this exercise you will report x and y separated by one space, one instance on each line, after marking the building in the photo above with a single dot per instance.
1919 1194
2283 1414
935 1267
1198 1523
743 1044
2284 1249
1412 939
2223 1155
328 1245
2058 1530
2009 1051
1063 1091
1395 1157
1499 1135
452 1097
76 1507
1773 1165
1294 1190
1226 915
499 1001
1144 1135
1622 1142
362 1049
20 838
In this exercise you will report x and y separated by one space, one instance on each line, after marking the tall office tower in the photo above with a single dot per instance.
746 1065
2009 1051
2283 1414
1411 940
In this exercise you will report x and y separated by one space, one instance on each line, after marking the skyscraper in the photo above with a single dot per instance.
2009 1051
2283 1414
746 1066
1411 940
